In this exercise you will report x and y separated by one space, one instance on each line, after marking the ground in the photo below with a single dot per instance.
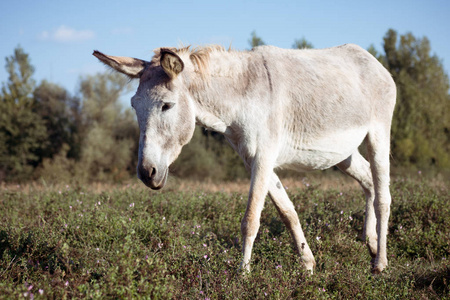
125 241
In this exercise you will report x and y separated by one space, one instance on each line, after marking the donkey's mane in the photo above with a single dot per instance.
200 56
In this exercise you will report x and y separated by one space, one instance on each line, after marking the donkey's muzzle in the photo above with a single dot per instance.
153 177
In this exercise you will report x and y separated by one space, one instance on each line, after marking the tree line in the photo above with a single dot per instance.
48 133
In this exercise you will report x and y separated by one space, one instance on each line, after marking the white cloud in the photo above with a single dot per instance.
66 34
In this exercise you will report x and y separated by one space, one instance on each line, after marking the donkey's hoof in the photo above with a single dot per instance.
377 268
310 266
244 269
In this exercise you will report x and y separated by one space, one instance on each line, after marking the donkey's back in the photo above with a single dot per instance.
328 99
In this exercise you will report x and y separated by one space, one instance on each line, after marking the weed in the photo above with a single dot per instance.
135 243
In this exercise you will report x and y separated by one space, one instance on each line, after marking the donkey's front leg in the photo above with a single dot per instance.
289 216
261 169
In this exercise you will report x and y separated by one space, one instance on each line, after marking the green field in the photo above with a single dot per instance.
72 242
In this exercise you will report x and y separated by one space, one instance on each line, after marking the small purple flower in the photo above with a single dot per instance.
279 267
41 291
67 282
204 245
205 256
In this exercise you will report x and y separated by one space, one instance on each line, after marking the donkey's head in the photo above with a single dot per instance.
164 110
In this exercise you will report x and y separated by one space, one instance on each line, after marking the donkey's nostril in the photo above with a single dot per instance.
153 172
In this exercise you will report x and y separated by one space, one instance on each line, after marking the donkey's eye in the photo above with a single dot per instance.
167 106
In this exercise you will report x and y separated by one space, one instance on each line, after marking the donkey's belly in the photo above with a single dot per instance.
306 153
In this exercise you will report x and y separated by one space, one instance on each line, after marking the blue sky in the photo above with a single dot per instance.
60 35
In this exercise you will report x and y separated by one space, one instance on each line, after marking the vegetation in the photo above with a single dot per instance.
22 130
46 133
69 242
302 44
421 122
255 40
66 241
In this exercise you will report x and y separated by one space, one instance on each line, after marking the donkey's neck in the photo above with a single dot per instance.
219 94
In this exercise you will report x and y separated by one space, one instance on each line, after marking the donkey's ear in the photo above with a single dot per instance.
131 67
171 63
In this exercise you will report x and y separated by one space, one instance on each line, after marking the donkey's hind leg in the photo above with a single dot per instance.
358 168
378 146
289 216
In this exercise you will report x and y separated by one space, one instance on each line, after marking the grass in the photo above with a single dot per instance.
73 242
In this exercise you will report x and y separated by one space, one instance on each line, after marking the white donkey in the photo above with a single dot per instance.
300 109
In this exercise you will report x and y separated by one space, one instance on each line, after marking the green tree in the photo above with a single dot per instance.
420 129
22 130
302 44
111 135
255 40
61 113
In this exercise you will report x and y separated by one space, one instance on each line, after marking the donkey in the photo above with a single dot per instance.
300 109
